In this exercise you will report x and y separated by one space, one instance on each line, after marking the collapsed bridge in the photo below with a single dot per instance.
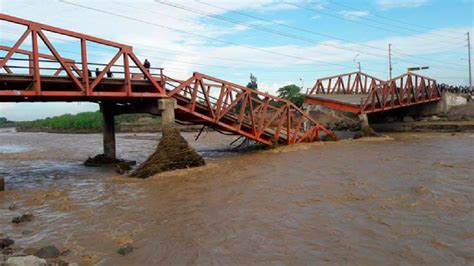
26 75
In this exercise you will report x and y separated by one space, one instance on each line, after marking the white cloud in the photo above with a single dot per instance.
272 88
190 53
388 4
354 14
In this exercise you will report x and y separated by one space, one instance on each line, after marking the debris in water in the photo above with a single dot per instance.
173 152
6 242
102 159
48 252
366 132
124 250
24 218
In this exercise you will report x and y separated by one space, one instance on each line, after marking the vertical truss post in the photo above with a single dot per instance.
85 67
36 73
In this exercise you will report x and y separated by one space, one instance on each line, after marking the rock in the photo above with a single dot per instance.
65 252
434 118
421 190
124 250
57 262
408 119
24 218
12 207
30 251
26 261
8 251
48 252
124 167
6 242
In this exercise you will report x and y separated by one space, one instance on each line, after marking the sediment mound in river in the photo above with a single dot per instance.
173 152
366 132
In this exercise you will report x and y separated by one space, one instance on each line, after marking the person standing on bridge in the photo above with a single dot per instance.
147 66
110 74
97 72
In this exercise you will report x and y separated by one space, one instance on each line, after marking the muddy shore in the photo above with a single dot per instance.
402 199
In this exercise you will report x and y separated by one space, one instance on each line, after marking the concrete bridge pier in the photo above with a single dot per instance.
108 125
163 107
364 122
166 108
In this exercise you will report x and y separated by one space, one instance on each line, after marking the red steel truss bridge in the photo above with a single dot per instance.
360 93
36 71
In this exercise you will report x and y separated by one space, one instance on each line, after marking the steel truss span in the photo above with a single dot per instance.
361 93
28 75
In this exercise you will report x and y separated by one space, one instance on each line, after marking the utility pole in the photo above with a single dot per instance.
469 60
358 63
390 60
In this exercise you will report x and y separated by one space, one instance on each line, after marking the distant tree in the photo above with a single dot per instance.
292 93
253 82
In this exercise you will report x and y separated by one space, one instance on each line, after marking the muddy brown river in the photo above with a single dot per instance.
404 199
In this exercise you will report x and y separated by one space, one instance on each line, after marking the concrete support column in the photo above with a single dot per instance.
167 107
108 124
364 122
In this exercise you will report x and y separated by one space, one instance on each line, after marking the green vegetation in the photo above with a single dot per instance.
253 82
5 123
292 93
81 122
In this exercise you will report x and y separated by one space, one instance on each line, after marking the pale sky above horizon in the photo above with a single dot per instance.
280 42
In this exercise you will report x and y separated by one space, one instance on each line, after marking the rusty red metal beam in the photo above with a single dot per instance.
349 83
405 90
254 114
201 99
78 77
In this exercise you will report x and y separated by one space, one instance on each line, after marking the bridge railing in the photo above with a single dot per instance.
349 83
80 77
404 90
254 114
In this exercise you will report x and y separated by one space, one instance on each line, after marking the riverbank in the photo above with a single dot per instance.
425 126
403 199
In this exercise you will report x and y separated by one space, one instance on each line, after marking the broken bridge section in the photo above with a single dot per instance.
37 71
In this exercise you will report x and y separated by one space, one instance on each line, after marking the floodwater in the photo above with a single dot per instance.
403 199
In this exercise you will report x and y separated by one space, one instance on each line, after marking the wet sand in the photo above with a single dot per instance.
406 199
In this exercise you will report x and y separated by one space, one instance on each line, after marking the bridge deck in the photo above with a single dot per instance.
345 102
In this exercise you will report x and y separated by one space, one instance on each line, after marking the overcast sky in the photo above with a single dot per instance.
280 42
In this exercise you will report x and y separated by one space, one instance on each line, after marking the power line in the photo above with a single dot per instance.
382 28
201 36
264 29
359 22
308 31
388 18
291 27
354 21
